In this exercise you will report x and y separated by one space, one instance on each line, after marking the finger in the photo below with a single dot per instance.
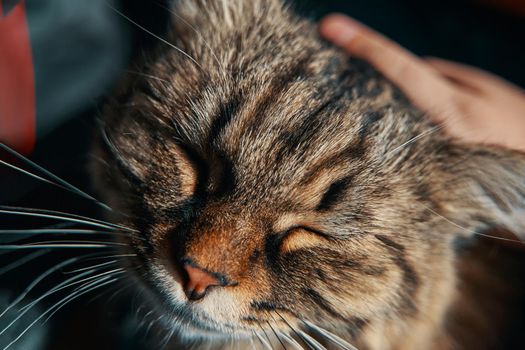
472 77
419 81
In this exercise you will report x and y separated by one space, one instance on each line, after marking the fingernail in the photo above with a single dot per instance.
339 32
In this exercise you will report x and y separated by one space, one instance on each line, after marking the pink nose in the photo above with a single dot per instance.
198 281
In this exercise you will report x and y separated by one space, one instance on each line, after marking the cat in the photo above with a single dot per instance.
275 185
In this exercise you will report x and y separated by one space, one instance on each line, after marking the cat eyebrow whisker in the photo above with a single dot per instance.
335 339
52 214
155 35
59 182
415 138
475 232
147 76
201 37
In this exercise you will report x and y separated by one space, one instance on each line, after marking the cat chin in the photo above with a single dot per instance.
192 331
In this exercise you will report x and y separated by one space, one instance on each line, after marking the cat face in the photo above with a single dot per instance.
275 182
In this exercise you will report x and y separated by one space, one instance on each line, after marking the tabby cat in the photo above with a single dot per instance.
277 186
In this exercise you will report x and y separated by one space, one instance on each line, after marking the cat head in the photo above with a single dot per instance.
275 182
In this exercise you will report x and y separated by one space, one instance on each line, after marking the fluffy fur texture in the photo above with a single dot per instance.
303 178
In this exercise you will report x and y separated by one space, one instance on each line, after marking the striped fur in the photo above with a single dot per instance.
300 175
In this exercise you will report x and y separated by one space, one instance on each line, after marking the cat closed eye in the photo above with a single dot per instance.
298 238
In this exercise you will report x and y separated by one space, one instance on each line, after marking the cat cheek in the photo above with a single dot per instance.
300 238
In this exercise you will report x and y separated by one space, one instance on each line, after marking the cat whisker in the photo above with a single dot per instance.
155 36
264 343
54 246
59 305
310 340
144 319
276 335
67 215
293 329
28 173
51 231
150 325
59 182
168 337
252 343
265 334
17 263
201 37
107 243
22 311
147 76
90 267
112 256
415 138
481 234
343 344
87 280
50 215
288 338
291 341
32 232
41 277
80 289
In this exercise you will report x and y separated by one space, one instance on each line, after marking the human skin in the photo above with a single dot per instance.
471 104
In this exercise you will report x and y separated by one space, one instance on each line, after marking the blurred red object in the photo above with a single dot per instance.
516 7
17 81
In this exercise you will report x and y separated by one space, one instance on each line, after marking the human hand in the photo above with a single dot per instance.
471 104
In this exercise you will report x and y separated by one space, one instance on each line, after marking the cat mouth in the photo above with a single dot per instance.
181 313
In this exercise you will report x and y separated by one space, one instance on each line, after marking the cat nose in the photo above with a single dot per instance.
198 281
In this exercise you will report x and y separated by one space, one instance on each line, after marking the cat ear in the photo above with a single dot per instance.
485 189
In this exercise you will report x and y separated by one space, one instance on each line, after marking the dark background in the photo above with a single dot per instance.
466 31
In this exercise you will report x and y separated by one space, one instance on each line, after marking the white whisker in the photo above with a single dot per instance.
22 261
90 287
90 267
276 335
86 281
473 231
54 246
42 276
196 32
61 183
22 311
56 217
156 36
70 282
310 341
415 138
343 344
147 76
59 305
28 233
66 215
291 341
262 341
